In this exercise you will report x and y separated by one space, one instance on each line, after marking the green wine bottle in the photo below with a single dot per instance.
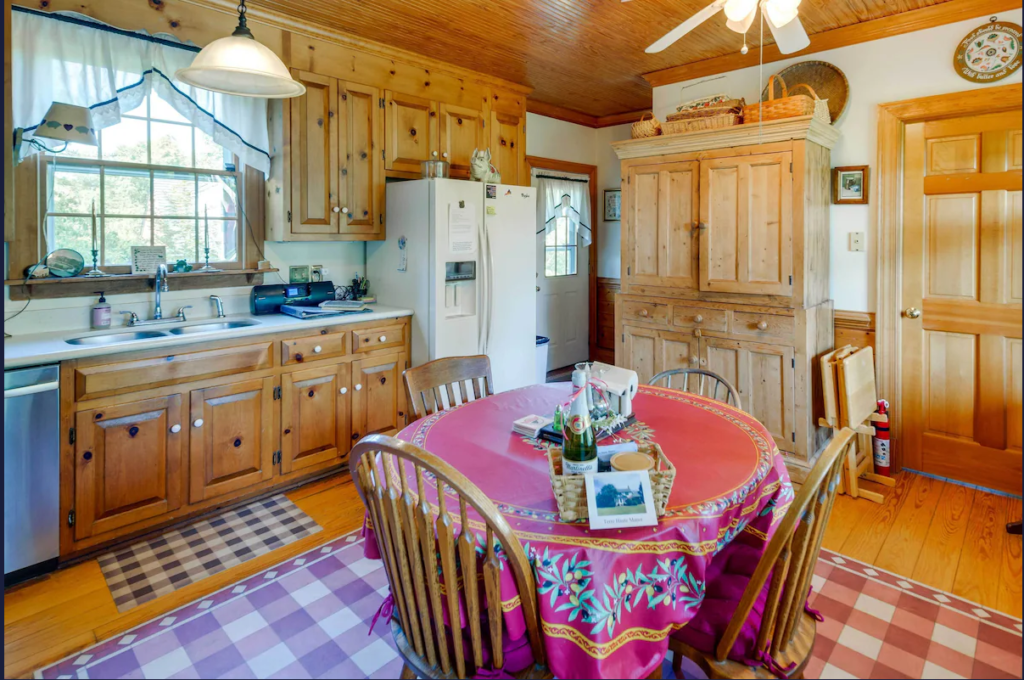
579 443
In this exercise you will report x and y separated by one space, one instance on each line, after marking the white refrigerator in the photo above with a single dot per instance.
462 256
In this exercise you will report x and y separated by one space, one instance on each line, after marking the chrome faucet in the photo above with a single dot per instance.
219 305
160 284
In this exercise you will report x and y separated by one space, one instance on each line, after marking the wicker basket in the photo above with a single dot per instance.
786 106
721 120
571 490
729 106
646 127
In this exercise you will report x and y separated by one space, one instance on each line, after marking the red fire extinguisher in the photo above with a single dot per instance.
880 442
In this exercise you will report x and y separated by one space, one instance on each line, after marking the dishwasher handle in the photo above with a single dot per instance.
31 389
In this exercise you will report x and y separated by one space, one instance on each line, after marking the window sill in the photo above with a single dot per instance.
84 286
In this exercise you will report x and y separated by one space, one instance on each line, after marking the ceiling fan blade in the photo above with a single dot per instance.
687 26
789 38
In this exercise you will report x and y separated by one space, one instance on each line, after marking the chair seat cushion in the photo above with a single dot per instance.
726 579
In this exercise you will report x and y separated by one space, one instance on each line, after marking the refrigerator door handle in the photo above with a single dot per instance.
483 297
490 287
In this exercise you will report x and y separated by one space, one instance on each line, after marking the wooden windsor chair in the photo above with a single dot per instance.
443 383
786 632
410 537
709 384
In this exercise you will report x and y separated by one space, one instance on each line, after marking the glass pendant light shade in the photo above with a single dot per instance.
739 10
240 65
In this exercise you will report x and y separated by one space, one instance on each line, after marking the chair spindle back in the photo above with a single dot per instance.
704 383
443 383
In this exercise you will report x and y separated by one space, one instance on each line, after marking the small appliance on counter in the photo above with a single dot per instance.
268 299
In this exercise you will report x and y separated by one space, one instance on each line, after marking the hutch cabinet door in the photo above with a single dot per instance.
378 397
314 156
128 465
765 377
232 438
315 419
462 130
411 131
639 352
508 147
361 181
746 230
661 218
677 350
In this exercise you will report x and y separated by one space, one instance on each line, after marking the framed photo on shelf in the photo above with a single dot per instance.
612 205
850 185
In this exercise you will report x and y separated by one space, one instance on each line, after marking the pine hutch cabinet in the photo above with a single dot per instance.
725 266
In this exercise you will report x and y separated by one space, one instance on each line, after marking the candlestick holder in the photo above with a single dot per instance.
95 271
207 269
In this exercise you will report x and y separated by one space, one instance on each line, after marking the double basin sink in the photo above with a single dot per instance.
115 338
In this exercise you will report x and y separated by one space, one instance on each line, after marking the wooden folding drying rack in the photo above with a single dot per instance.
848 382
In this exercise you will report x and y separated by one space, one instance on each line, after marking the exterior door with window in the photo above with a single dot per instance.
563 290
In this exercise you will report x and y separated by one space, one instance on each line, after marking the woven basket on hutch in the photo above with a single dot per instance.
646 128
786 106
727 106
571 490
712 122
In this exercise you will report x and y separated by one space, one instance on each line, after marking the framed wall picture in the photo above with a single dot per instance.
612 205
850 185
146 259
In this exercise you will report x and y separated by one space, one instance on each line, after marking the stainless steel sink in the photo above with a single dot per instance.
213 326
114 338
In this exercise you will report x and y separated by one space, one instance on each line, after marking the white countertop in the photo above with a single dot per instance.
49 348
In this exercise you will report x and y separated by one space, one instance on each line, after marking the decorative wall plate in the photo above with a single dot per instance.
989 53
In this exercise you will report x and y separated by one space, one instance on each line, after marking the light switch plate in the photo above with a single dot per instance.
857 242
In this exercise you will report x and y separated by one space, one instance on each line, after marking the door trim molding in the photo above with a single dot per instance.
888 217
580 169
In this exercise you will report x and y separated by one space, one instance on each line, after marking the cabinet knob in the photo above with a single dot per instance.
344 210
444 155
317 349
698 319
336 209
237 442
198 422
383 338
703 362
644 312
434 154
359 386
697 333
762 325
695 360
311 394
87 455
343 390
175 428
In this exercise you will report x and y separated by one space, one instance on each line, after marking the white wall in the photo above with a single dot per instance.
902 67
609 176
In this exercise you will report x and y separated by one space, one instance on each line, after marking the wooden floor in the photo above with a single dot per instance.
941 534
50 618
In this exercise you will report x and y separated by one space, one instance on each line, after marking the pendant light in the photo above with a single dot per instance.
241 65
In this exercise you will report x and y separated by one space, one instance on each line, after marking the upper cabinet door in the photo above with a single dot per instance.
508 147
361 181
314 161
232 438
411 131
462 130
746 231
661 220
128 464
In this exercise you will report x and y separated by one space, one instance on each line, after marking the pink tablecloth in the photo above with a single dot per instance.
609 599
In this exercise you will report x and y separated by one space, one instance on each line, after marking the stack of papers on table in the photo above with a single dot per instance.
531 425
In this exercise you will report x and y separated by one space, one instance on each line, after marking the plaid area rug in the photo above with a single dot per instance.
310 617
148 569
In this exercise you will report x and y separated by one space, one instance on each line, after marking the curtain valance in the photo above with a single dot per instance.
566 195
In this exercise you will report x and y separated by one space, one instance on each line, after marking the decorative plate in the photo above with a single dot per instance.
989 53
827 80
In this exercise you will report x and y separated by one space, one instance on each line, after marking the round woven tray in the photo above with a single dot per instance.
827 80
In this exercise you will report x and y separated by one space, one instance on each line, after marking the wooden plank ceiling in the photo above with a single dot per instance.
583 55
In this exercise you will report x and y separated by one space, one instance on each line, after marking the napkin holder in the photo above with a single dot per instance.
622 385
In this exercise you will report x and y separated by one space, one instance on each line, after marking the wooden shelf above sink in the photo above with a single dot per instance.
84 286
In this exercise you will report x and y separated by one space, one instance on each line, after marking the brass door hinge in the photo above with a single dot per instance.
277 392
71 518
72 436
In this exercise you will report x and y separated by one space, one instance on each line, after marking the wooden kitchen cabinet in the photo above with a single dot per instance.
127 465
315 416
462 130
378 398
508 146
361 173
314 162
232 438
411 131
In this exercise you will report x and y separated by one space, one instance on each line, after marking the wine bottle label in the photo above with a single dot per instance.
576 467
577 424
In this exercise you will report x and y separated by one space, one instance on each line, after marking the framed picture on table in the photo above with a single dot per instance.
850 185
620 499
612 205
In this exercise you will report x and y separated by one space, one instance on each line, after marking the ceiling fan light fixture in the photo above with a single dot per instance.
738 10
744 24
241 65
781 12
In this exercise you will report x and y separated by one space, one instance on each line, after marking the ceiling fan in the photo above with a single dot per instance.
781 16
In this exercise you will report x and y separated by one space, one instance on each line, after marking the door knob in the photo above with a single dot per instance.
538 289
912 313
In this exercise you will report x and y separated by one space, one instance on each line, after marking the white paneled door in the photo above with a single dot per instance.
563 288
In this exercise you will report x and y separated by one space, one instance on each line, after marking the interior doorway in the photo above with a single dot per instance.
566 274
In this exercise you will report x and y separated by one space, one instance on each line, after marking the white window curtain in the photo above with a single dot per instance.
70 58
562 194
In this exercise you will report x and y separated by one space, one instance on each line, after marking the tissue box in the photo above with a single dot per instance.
622 385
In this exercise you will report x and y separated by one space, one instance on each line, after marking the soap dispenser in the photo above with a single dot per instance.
101 314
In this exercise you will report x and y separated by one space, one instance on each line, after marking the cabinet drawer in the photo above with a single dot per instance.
131 376
645 311
706 319
763 326
313 348
369 339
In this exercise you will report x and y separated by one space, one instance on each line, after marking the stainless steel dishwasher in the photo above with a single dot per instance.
31 472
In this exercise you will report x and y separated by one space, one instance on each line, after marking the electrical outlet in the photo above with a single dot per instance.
857 242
